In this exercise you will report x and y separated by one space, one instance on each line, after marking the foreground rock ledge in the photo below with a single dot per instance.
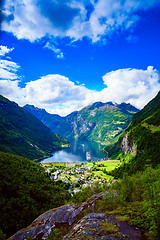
93 226
88 227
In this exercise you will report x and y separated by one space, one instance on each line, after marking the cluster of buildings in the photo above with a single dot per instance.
76 176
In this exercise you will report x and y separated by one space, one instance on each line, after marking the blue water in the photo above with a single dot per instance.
77 152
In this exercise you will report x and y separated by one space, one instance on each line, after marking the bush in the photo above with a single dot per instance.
26 192
142 190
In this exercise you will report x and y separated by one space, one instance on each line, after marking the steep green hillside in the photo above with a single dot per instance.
25 192
50 120
139 145
101 122
23 134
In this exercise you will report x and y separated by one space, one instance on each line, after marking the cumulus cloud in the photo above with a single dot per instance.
54 88
133 86
57 94
12 91
9 81
34 19
4 50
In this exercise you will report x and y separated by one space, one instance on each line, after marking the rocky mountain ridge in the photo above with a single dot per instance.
100 122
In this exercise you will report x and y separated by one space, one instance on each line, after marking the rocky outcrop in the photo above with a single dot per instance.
96 226
89 226
100 227
127 146
42 226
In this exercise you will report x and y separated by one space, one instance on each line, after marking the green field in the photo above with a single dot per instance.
100 167
102 175
54 164
108 165
99 170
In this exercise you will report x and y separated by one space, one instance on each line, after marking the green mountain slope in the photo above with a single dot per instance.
101 122
25 192
50 120
23 134
139 145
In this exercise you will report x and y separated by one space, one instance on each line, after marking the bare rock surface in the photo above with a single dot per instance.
90 227
42 226
127 147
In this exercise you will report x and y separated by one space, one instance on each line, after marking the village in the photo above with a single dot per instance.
80 175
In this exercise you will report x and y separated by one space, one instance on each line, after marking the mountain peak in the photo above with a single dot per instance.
110 103
32 107
128 106
96 105
100 104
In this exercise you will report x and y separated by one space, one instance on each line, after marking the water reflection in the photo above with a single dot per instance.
77 152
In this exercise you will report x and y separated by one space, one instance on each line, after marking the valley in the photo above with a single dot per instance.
118 192
80 120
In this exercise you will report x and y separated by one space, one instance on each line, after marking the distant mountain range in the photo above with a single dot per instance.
139 145
23 134
100 122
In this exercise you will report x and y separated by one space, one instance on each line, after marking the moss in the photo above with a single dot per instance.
123 218
55 234
108 228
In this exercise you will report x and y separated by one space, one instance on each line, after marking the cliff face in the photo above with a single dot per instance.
127 146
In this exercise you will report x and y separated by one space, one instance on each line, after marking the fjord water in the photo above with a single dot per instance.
77 152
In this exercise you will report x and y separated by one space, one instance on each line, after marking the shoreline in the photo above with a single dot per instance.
51 154
39 159
109 160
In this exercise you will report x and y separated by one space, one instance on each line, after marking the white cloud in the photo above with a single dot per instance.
57 94
9 81
55 89
34 19
8 70
4 50
56 50
12 91
133 86
27 21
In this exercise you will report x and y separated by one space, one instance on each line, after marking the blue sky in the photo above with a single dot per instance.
64 55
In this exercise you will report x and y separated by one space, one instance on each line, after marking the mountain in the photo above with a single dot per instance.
100 122
50 120
23 134
139 145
